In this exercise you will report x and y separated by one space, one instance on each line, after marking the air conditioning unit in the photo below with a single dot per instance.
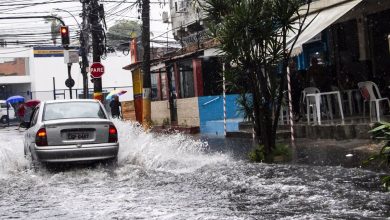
165 17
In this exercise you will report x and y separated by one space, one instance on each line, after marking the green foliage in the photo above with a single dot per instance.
122 32
382 159
245 106
166 122
257 154
253 38
281 153
54 28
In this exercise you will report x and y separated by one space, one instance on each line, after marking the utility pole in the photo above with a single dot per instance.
84 49
95 15
146 106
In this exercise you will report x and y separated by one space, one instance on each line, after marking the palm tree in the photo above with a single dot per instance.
54 28
253 37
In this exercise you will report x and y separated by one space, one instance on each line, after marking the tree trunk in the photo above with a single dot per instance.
263 117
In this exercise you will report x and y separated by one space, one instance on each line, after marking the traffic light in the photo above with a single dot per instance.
64 35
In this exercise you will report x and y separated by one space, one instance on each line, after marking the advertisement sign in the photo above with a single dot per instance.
48 52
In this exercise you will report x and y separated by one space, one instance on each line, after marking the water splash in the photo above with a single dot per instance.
11 151
168 152
174 177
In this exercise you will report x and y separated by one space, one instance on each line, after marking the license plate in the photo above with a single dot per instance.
78 136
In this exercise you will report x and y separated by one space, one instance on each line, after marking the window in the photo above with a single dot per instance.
154 81
172 81
68 110
34 117
13 66
183 5
164 86
186 79
212 77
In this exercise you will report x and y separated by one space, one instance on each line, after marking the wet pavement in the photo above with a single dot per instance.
179 177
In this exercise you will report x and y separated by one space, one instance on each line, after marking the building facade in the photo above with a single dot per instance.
350 38
353 48
40 73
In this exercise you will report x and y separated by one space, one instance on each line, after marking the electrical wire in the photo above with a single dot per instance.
117 10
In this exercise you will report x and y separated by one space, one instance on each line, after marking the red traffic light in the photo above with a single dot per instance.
64 30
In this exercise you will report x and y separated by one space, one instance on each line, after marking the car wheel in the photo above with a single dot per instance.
34 164
4 119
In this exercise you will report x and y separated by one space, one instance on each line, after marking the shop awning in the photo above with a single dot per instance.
316 22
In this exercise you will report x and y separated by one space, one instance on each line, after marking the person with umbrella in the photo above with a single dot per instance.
28 110
114 103
115 107
20 112
13 100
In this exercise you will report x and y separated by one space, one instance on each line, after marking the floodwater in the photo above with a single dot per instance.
178 177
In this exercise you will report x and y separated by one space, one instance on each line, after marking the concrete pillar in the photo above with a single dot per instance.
198 79
362 31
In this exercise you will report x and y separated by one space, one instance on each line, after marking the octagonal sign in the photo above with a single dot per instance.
97 70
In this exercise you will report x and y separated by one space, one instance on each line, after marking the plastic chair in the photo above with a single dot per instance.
310 102
346 100
371 94
284 111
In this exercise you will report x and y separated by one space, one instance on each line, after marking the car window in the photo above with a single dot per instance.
35 117
68 110
3 105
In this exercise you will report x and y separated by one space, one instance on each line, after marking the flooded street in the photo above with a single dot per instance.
176 177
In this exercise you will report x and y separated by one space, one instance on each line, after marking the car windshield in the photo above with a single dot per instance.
68 110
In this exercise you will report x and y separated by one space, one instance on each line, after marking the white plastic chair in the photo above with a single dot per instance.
284 111
371 94
310 102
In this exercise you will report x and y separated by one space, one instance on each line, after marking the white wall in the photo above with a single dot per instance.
43 69
17 53
116 76
18 85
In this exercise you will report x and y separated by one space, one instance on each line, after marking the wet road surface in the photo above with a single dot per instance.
177 177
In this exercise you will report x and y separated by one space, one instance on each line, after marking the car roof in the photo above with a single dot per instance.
70 100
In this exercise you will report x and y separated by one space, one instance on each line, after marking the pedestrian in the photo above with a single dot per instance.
115 106
20 112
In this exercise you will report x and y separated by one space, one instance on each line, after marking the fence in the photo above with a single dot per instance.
61 93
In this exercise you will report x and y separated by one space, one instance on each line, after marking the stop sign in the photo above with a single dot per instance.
97 70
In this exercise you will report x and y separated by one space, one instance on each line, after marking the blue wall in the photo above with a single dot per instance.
211 113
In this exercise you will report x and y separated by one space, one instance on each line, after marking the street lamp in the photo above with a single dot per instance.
59 9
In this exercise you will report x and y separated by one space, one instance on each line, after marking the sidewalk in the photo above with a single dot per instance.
320 152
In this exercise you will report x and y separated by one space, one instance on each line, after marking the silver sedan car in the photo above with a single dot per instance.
71 130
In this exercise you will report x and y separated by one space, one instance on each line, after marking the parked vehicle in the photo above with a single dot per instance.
71 130
3 112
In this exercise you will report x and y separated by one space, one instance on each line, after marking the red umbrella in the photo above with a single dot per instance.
32 103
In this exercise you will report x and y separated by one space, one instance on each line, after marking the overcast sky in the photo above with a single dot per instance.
115 10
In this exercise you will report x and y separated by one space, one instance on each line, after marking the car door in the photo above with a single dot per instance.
30 133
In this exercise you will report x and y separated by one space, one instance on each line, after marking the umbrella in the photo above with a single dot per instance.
115 92
15 99
32 103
